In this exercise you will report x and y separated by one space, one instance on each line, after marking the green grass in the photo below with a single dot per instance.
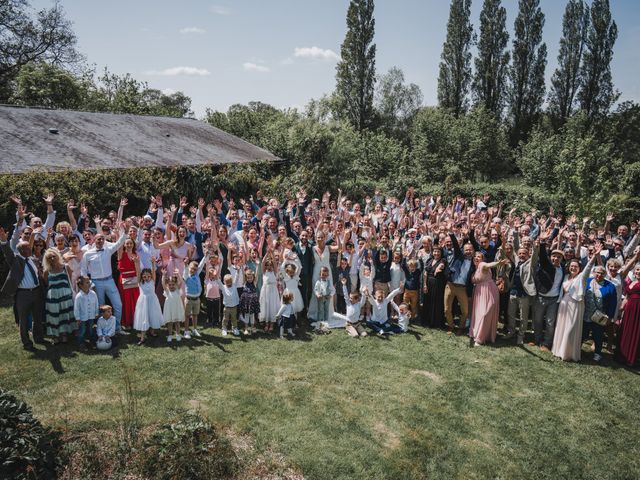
418 405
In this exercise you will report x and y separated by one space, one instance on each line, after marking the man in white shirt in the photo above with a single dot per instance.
96 264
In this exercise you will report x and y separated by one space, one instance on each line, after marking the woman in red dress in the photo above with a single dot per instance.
128 284
629 336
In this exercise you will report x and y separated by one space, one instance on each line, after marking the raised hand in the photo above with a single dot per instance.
173 208
223 193
610 217
97 219
123 202
71 204
201 203
16 199
83 209
183 202
49 198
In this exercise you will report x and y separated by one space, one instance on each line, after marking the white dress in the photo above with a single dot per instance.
323 260
148 313
291 285
173 307
269 298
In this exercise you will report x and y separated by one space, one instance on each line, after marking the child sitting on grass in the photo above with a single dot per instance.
404 315
379 319
354 301
106 328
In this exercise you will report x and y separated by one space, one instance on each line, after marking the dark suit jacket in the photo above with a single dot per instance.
16 270
546 272
456 265
306 259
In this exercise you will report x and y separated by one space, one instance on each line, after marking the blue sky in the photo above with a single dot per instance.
221 53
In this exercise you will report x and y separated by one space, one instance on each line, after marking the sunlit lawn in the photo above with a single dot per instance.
418 405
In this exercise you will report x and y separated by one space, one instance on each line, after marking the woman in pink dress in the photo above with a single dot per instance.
486 302
629 337
181 250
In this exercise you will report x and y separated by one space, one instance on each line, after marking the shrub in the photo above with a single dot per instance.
27 449
189 447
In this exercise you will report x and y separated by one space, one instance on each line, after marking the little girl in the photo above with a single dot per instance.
366 286
212 294
173 305
269 297
286 315
249 302
291 280
148 313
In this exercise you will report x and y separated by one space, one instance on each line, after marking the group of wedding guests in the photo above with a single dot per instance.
376 266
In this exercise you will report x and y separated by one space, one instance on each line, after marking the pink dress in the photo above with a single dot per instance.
486 307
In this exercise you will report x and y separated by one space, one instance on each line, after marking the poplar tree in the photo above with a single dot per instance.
527 88
356 71
597 94
492 62
455 61
567 77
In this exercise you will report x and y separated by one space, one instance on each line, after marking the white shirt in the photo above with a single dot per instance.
106 327
97 263
229 295
353 309
403 320
286 310
145 252
379 311
85 306
397 276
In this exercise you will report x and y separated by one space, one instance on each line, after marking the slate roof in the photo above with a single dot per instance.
88 140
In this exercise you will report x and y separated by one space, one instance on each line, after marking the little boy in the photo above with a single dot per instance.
412 275
379 317
354 301
193 288
404 315
323 291
106 328
230 300
85 310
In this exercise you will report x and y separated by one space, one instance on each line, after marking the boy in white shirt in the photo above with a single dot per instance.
106 328
85 310
323 291
379 318
354 301
230 300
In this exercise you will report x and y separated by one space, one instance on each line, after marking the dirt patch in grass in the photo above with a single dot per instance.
391 438
430 375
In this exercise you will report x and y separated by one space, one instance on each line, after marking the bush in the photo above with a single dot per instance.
190 447
27 449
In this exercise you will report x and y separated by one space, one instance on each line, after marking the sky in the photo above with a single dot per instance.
284 52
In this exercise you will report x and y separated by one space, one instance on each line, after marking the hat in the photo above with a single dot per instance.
148 217
557 252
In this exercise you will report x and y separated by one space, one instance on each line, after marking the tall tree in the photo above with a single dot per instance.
356 71
527 87
46 38
455 60
567 78
597 94
492 63
396 102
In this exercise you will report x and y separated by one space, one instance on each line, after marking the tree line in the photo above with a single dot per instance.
496 127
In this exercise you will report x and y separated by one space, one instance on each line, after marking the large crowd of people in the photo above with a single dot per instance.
371 267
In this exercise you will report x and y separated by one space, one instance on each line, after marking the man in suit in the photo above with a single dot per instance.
305 254
459 285
24 283
523 291
548 278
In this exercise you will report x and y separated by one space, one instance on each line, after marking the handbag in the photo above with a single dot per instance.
129 282
599 318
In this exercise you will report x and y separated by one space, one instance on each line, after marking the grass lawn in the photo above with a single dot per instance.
418 405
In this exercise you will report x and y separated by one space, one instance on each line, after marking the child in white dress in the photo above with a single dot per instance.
291 280
173 313
148 313
269 296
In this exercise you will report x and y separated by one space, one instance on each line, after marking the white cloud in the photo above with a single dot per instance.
220 10
253 67
189 30
315 53
175 71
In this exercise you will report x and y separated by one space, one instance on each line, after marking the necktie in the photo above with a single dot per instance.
32 271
